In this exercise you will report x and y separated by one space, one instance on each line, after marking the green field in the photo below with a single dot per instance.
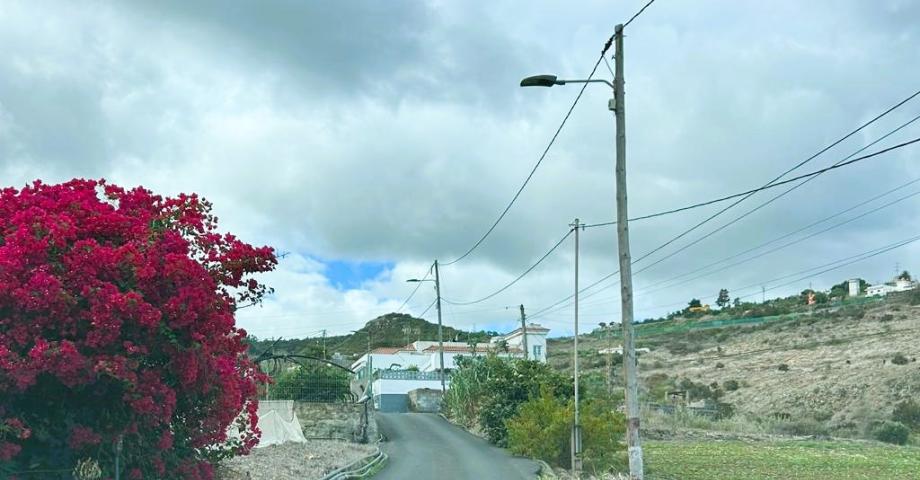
800 460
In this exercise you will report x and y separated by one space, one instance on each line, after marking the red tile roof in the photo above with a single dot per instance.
387 350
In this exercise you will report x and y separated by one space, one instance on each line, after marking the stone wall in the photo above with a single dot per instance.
425 400
337 420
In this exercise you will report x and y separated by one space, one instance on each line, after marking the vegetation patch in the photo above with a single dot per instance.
810 460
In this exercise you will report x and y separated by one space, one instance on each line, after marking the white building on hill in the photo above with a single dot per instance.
896 285
395 371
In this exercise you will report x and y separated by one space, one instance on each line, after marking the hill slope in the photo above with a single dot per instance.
390 330
836 371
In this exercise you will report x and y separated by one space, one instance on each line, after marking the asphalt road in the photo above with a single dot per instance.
424 445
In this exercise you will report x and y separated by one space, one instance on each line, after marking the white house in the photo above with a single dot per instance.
896 285
536 341
395 371
619 350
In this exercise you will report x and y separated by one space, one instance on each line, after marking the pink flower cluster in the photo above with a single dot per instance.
117 321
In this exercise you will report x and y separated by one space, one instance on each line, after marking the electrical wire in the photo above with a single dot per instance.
552 141
807 177
793 168
519 277
651 289
746 195
428 308
638 13
830 266
420 282
532 171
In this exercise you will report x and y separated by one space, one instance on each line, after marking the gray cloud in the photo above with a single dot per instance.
395 131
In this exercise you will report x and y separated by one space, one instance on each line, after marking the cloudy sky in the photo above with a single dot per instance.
368 138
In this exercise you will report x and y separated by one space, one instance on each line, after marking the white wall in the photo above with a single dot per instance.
383 361
392 386
533 339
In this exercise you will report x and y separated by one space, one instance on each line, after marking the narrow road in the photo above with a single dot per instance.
424 445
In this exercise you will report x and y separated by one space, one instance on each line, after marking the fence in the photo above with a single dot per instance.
310 382
652 329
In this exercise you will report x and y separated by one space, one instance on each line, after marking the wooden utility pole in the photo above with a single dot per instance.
324 344
524 332
576 427
437 288
630 364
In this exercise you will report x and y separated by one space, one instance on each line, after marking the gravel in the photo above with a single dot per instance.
293 461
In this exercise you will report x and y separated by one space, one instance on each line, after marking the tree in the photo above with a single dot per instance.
842 289
117 324
694 302
723 300
905 275
737 302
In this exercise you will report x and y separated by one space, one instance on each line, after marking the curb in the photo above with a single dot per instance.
545 471
361 468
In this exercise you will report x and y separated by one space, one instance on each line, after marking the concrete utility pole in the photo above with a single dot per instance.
630 364
324 344
576 427
437 288
524 332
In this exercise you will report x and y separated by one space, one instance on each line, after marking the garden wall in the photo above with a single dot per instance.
348 421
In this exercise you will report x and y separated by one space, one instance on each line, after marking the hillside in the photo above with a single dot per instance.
390 330
836 370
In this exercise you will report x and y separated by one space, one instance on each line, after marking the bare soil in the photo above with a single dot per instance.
293 461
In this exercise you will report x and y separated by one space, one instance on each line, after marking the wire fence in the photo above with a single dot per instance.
654 328
319 391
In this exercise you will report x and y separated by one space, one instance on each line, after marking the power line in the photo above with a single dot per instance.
552 140
638 13
746 195
774 180
532 171
830 266
522 275
807 177
563 304
427 308
406 301
651 288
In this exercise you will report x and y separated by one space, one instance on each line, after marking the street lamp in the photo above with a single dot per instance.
550 80
618 106
437 289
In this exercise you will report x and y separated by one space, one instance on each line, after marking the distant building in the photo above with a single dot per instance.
854 287
896 285
390 373
619 350
536 341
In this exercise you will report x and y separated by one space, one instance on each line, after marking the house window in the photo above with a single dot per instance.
537 351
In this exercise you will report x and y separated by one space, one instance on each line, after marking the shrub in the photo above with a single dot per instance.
720 365
488 390
783 367
802 427
542 429
117 322
886 317
908 413
899 359
891 432
731 385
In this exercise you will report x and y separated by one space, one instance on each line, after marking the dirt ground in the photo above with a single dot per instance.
293 461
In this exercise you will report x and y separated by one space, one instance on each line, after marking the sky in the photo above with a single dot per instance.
366 139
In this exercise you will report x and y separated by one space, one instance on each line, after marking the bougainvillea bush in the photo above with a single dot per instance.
117 327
